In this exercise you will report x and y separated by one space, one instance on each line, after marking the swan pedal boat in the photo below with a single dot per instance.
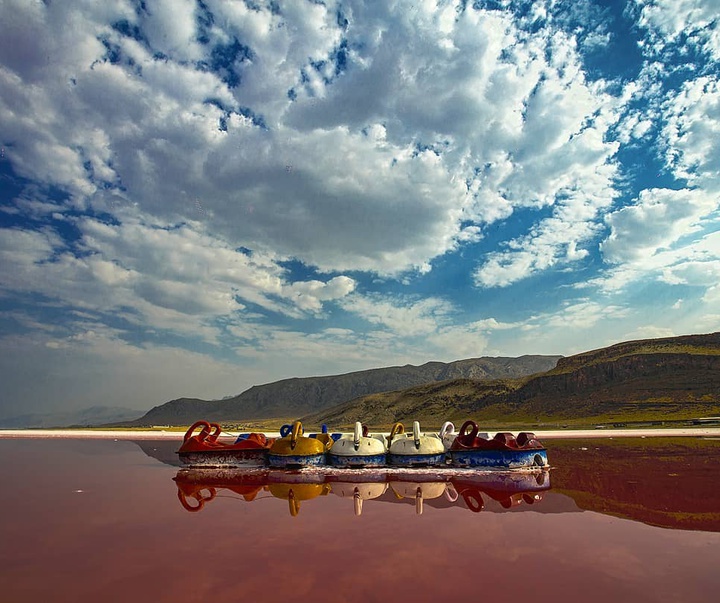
206 449
502 451
358 449
414 449
294 450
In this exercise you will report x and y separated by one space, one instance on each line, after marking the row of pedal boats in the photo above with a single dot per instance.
205 445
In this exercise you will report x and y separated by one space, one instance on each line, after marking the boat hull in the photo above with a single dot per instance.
357 460
225 458
505 459
415 460
295 461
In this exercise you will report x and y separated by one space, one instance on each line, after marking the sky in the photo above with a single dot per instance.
198 196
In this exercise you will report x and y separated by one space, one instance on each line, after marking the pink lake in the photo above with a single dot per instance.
103 520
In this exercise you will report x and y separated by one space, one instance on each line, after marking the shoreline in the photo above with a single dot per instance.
564 434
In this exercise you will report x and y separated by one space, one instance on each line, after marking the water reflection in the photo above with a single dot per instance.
465 489
670 483
91 520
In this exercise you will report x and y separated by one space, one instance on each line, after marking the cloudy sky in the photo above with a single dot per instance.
197 196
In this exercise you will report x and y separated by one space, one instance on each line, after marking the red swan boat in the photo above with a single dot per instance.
206 449
504 451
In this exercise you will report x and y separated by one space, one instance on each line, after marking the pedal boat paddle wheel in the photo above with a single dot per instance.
503 451
206 449
294 450
414 449
358 449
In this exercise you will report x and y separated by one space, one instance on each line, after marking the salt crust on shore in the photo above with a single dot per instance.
178 435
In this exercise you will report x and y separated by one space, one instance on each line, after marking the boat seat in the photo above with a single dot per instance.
325 438
506 438
468 441
529 440
525 437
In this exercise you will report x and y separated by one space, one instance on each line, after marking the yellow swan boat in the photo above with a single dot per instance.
294 450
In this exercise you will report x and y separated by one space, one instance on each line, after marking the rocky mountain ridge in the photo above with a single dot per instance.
662 379
300 396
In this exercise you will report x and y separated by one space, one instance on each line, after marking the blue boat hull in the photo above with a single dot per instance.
225 458
295 461
506 459
357 460
415 460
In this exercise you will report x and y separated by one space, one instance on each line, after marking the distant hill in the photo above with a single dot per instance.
647 380
87 417
292 398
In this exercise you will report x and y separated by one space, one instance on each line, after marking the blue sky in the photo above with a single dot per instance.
201 196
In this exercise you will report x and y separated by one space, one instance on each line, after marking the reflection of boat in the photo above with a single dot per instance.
358 449
359 492
438 487
504 450
421 491
295 450
509 488
205 447
199 486
295 493
414 449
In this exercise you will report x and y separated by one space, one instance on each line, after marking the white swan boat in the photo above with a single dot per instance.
414 449
358 449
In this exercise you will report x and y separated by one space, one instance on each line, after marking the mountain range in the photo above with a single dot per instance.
292 398
675 378
650 380
85 417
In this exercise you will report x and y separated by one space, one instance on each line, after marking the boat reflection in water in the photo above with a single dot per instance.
468 489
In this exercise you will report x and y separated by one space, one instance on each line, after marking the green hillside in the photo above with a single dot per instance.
659 380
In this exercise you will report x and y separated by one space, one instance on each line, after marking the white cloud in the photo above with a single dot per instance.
659 218
178 278
692 133
170 28
336 179
674 261
405 317
692 272
584 314
309 295
554 241
668 20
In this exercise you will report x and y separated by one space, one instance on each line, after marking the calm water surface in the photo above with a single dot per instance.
614 520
